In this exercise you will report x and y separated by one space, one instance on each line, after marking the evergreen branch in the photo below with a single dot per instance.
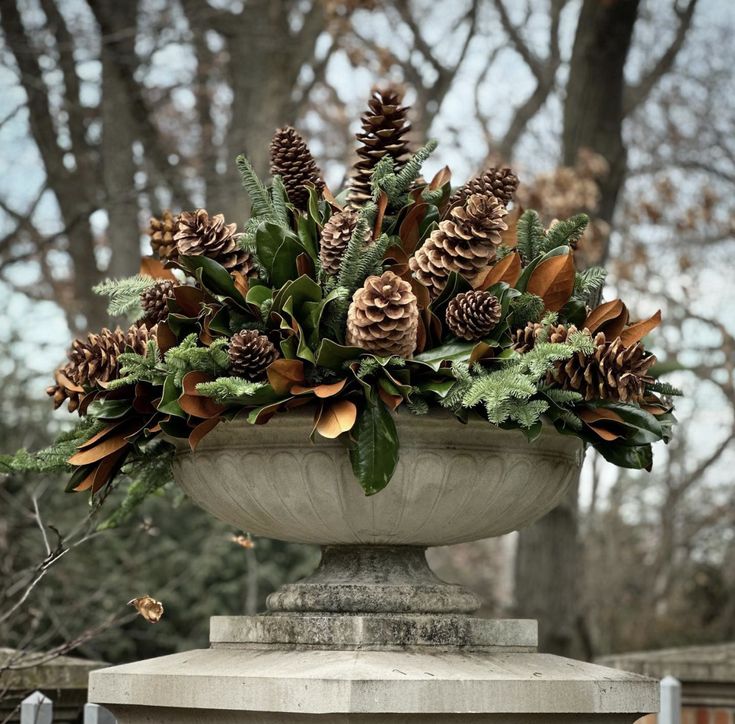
256 190
526 308
124 294
412 169
565 233
562 397
349 268
280 201
663 388
372 259
188 356
230 389
140 368
587 284
530 234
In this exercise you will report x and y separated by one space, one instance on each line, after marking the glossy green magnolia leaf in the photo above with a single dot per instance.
258 294
169 403
109 409
450 352
374 454
333 356
647 427
634 457
213 277
283 268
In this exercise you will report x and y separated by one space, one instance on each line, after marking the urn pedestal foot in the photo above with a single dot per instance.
346 677
373 579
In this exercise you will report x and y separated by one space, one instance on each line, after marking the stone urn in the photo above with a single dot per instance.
454 483
373 637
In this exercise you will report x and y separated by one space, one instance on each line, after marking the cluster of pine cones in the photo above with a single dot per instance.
383 316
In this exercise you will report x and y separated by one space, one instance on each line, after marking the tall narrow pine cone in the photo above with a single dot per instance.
154 301
466 242
501 183
473 315
95 361
384 126
250 354
383 316
293 162
336 234
161 232
200 234
611 372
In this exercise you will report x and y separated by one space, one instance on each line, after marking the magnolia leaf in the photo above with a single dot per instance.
382 206
94 454
605 423
553 281
283 374
410 229
391 401
103 472
152 267
374 454
610 318
506 270
441 177
201 430
636 332
321 391
509 237
336 418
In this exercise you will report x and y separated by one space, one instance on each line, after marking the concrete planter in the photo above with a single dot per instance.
454 483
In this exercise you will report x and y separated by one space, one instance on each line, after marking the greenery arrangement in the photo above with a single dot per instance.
397 293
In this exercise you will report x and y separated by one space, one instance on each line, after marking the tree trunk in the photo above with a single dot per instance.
118 165
548 556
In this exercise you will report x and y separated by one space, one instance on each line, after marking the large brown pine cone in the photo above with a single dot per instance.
383 316
384 126
293 162
250 354
200 234
161 232
336 235
473 315
611 372
95 361
501 183
154 301
466 242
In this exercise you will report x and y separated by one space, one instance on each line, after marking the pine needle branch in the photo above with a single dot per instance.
258 193
124 294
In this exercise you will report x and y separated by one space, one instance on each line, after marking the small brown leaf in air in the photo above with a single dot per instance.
150 609
243 540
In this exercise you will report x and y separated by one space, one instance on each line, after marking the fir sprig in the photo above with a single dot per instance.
124 295
188 356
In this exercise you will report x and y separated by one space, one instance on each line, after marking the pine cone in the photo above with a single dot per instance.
293 162
611 372
524 339
336 235
94 362
250 354
472 315
383 316
466 242
384 125
161 232
153 300
501 183
201 235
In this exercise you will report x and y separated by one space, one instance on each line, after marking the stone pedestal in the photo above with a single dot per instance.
370 669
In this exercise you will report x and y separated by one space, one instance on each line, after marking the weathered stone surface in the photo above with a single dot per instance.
373 682
377 632
373 579
453 482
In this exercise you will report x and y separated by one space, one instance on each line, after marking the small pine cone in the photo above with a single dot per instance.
161 232
472 315
250 354
525 338
384 126
611 372
154 301
383 316
336 235
293 162
201 235
501 183
466 242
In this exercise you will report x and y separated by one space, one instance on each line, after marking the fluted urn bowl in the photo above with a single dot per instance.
454 483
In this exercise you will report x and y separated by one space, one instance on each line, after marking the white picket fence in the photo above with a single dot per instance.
39 709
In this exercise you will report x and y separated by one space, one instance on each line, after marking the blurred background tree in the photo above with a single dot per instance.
114 111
